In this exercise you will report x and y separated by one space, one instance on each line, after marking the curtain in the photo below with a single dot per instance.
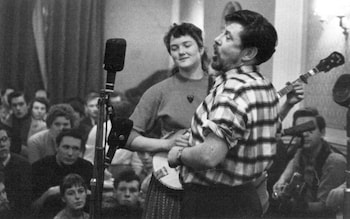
19 68
52 44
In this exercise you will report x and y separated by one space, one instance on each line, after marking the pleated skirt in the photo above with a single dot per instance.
161 201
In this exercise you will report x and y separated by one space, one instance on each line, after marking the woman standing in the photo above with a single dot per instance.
167 107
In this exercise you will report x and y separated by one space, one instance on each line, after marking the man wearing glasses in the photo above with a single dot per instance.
17 172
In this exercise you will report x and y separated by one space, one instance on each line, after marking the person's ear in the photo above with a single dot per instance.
201 50
249 54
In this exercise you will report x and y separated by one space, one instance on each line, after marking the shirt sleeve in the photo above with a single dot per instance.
145 113
333 175
33 149
228 118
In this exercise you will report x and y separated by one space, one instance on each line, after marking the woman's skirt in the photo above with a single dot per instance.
162 202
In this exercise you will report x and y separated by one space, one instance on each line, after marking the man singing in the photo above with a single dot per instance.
232 140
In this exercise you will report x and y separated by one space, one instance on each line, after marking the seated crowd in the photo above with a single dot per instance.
47 155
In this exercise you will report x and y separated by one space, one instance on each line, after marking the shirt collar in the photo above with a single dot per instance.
233 72
7 160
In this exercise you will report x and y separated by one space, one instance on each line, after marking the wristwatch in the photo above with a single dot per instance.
178 156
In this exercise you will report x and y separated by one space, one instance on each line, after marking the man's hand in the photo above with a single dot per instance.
39 203
173 156
293 97
54 190
296 95
277 189
179 139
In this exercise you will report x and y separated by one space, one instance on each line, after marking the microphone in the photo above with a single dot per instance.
114 60
118 136
299 129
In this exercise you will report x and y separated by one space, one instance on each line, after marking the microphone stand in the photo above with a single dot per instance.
98 169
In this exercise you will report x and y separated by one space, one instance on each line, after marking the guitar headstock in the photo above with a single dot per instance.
335 59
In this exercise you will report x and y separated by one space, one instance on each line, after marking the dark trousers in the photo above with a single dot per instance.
220 202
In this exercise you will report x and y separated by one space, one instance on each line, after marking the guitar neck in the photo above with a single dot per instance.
303 78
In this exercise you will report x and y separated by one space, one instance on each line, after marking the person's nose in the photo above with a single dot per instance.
60 127
70 151
78 196
182 50
217 40
127 193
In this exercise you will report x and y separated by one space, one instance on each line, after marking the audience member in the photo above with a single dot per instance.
4 96
315 169
91 108
60 116
79 109
38 109
5 210
19 120
49 171
42 94
125 202
5 106
73 192
17 173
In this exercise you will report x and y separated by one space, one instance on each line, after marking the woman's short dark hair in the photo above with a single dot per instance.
184 29
40 100
71 180
258 32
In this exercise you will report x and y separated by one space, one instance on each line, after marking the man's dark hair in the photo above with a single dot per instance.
71 180
77 104
74 133
258 32
16 94
61 109
127 176
312 112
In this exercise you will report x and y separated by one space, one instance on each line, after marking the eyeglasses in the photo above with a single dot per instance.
4 139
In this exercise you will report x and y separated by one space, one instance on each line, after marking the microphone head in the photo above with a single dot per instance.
120 131
299 129
114 55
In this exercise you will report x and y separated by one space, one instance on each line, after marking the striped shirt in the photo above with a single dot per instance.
242 109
